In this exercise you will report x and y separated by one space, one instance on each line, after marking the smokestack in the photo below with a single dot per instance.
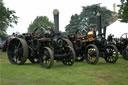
114 7
104 31
99 25
56 20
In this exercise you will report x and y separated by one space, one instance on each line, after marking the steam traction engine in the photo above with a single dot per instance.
121 44
94 45
43 48
62 49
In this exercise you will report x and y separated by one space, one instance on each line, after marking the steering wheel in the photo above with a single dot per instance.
43 30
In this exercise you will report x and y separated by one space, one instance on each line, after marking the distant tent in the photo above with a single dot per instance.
117 29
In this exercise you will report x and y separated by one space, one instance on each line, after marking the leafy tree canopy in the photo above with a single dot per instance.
40 21
87 18
123 12
7 17
74 24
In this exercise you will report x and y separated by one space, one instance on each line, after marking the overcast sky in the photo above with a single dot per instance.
28 10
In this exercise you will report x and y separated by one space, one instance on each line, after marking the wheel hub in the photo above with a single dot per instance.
16 51
109 53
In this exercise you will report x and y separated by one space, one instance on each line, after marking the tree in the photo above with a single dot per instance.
123 11
40 21
3 35
7 17
87 18
74 24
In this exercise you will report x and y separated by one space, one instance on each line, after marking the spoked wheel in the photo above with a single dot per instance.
124 36
125 54
69 60
111 54
46 58
91 54
17 51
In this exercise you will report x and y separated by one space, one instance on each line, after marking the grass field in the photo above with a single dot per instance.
80 73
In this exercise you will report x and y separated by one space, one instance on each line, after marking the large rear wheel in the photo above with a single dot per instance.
17 51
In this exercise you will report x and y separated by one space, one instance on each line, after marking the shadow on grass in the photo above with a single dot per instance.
55 65
31 63
34 65
59 65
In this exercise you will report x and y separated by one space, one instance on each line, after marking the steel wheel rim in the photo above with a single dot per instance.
17 51
92 57
46 58
92 54
111 54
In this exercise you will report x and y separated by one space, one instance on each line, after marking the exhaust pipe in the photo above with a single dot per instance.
104 31
56 20
99 24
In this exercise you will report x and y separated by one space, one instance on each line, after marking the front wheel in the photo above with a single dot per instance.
46 58
111 54
92 54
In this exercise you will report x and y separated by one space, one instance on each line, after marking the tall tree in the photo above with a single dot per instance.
40 21
74 24
7 17
123 11
87 18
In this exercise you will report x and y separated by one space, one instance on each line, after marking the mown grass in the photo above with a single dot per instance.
80 73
